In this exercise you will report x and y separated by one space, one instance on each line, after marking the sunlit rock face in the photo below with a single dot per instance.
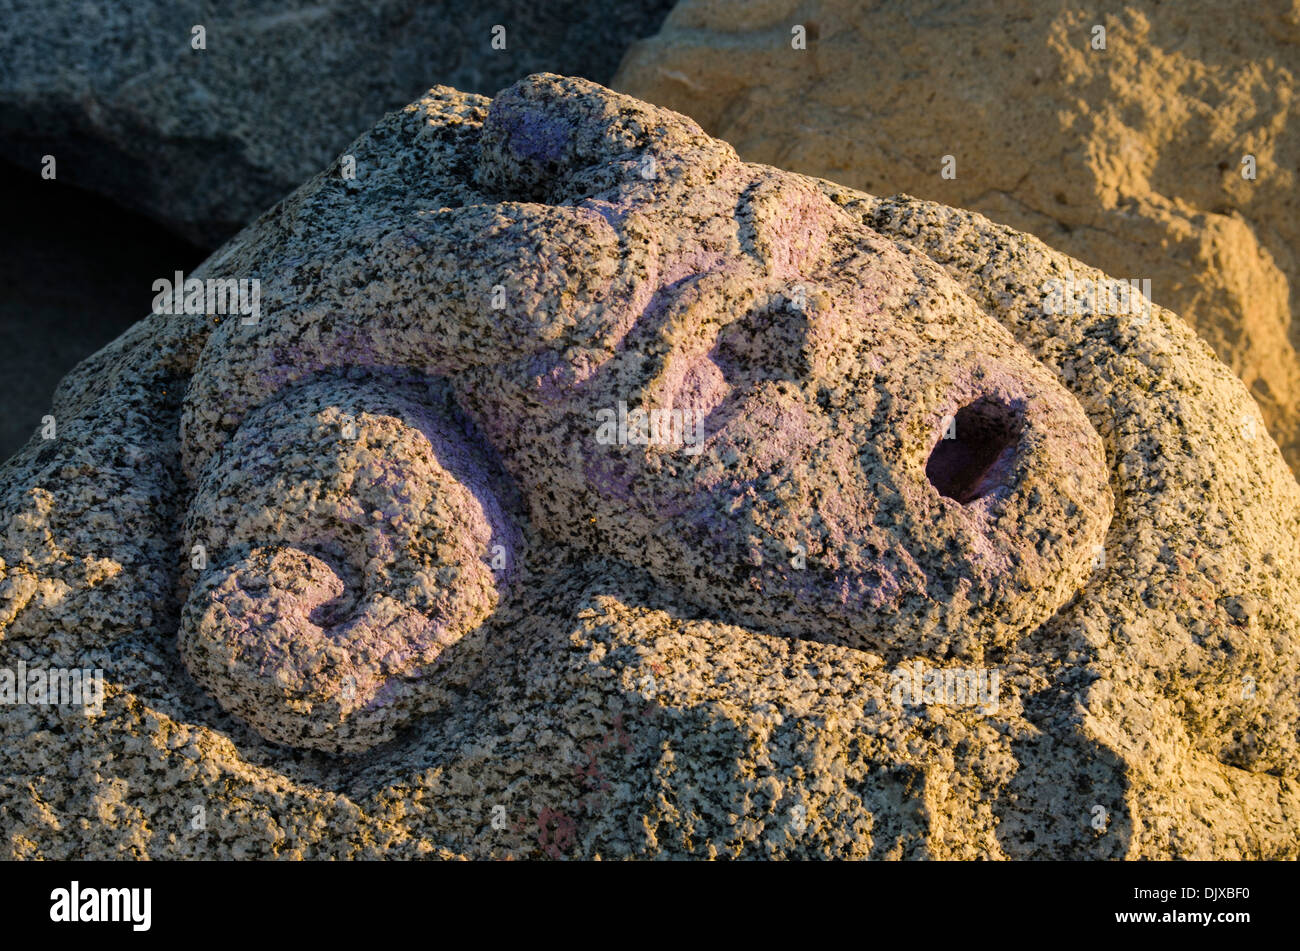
1153 141
574 470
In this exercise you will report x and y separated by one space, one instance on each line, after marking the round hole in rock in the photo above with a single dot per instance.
980 456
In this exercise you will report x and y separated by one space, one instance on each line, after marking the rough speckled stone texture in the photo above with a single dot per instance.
1128 158
688 648
205 140
352 533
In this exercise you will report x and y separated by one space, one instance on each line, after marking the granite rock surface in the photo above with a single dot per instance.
583 490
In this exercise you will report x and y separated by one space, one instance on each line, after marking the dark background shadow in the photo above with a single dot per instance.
77 271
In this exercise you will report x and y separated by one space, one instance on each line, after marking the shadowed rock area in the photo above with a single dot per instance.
202 140
581 490
77 272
